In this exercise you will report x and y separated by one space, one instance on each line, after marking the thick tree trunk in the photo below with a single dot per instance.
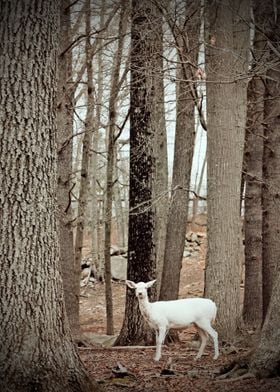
271 156
265 360
226 68
187 40
141 241
271 178
36 350
70 274
252 309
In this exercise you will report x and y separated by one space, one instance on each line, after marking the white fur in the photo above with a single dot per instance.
178 314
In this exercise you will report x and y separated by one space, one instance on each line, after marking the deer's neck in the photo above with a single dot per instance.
145 308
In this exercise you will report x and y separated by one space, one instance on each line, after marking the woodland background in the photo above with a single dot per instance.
93 96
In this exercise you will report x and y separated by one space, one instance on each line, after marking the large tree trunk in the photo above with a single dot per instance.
141 238
226 65
265 360
70 274
187 43
271 157
36 350
252 309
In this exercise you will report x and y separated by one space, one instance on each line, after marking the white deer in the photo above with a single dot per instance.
177 314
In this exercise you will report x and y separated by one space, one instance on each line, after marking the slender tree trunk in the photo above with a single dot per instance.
252 309
198 190
97 246
87 147
70 274
160 148
118 199
141 241
36 350
94 203
226 68
187 40
110 166
123 186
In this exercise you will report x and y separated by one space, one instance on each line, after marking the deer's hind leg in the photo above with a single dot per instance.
203 337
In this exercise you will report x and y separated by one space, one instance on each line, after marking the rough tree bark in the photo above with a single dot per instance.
187 41
70 274
160 148
271 156
36 350
252 308
265 360
141 237
227 40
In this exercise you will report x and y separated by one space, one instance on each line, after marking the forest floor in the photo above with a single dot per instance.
145 375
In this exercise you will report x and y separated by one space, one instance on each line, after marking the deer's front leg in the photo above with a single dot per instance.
160 335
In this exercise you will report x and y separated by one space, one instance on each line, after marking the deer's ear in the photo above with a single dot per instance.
149 284
130 284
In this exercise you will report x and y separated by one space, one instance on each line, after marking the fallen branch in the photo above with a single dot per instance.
121 348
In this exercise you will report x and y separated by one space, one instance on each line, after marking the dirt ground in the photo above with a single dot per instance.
145 375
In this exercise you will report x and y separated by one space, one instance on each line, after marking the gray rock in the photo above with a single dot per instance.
118 267
187 253
100 340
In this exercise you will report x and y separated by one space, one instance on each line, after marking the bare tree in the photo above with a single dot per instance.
87 146
187 43
36 350
96 226
141 241
264 362
110 163
160 150
227 43
70 274
271 157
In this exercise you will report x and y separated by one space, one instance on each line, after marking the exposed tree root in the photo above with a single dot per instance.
244 376
235 371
